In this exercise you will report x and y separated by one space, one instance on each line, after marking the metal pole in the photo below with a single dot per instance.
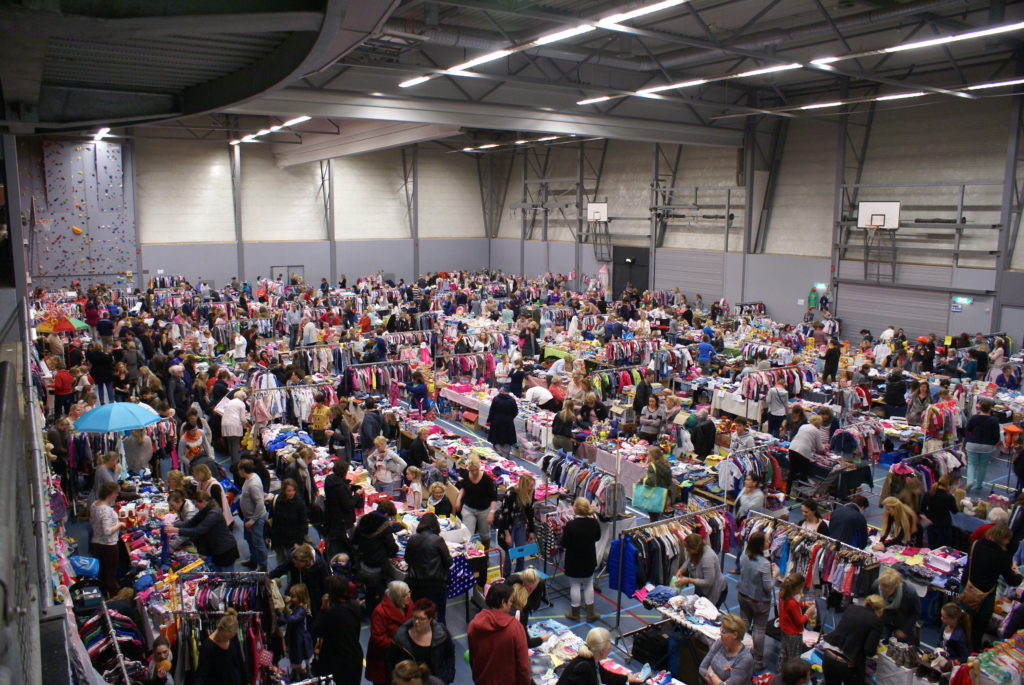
332 235
236 196
580 211
492 217
132 210
522 226
653 242
16 228
1007 208
414 222
837 207
544 195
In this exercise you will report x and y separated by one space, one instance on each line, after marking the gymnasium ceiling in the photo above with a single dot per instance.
707 46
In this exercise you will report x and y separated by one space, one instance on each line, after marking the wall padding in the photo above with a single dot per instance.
368 196
280 204
918 312
449 197
183 192
692 272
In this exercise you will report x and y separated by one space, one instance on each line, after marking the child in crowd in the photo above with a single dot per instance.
159 672
297 634
793 616
319 418
414 490
956 626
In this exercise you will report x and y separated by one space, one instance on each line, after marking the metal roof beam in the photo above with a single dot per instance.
34 22
300 101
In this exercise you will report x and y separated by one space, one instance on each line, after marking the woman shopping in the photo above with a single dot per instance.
755 592
514 521
703 570
982 437
806 442
659 475
385 467
579 540
728 662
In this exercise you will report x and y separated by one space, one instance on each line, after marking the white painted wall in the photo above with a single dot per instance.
183 192
449 198
801 220
368 197
280 204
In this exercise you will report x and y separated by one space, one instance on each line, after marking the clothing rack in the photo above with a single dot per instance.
387 363
113 638
319 384
669 521
795 526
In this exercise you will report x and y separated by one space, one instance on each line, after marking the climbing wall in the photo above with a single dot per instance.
79 225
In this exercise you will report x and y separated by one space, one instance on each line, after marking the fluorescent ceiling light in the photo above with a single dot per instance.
235 142
275 128
482 59
246 139
488 146
768 70
101 134
981 33
900 96
822 61
564 35
671 86
296 120
639 12
467 149
263 132
594 101
547 138
414 82
522 142
822 105
996 84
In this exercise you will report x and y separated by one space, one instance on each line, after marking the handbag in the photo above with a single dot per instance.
971 597
649 498
219 408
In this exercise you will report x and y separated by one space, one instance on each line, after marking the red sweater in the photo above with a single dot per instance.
497 649
63 383
791 618
384 621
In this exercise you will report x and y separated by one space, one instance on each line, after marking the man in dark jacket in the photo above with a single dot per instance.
429 562
177 392
703 435
847 523
340 500
371 427
502 431
643 391
374 545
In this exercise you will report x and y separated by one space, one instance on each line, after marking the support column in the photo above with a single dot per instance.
655 216
1010 209
414 212
236 196
128 180
522 227
10 321
837 202
580 214
544 196
489 226
332 237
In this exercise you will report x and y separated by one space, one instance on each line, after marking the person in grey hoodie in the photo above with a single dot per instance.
254 514
756 592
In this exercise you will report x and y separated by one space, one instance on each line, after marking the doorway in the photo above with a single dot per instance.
287 272
630 267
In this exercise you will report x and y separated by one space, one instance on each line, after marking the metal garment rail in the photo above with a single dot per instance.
117 646
796 526
282 388
675 520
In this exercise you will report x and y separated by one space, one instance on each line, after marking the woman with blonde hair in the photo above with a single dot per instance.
728 661
477 501
528 589
853 642
659 475
220 657
899 524
208 484
579 540
902 605
561 427
385 467
587 668
514 521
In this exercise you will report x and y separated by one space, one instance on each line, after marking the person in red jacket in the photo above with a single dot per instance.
497 642
793 615
392 611
63 390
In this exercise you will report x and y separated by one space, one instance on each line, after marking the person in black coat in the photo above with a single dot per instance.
855 639
502 431
579 540
341 499
938 507
307 567
429 561
592 411
895 395
371 426
177 392
586 668
644 389
703 435
288 520
419 451
831 366
987 560
440 655
374 544
340 440
338 624
902 605
211 535
848 524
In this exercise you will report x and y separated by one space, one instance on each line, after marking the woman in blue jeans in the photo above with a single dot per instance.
514 521
982 436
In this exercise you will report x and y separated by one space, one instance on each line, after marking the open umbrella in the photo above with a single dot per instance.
116 417
62 324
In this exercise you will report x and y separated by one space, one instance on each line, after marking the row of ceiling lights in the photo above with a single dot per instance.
609 22
267 131
522 141
825 62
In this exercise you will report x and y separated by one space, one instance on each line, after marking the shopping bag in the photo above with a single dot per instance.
219 409
649 498
85 567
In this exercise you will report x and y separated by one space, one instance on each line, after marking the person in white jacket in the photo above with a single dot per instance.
232 423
